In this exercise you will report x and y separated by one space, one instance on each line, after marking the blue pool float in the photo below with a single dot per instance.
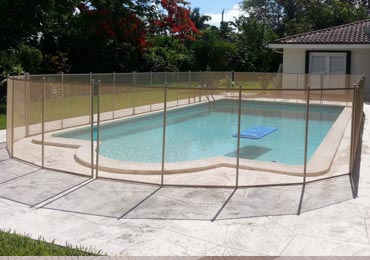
256 132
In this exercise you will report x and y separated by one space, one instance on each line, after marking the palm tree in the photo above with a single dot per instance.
198 19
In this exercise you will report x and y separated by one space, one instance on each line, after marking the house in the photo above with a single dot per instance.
338 50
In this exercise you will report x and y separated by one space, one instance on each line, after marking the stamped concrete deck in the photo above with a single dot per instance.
129 219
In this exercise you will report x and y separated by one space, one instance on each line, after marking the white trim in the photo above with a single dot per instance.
319 46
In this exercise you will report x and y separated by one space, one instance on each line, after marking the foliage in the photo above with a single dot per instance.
167 54
211 52
30 58
176 20
52 36
12 244
199 19
298 16
253 51
9 63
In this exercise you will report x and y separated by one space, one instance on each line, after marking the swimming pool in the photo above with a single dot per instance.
206 130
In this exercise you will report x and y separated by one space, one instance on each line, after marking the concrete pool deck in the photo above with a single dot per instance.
127 219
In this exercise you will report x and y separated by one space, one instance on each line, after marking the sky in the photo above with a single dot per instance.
214 8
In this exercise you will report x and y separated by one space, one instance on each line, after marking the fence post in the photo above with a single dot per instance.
321 87
92 127
297 88
43 125
306 133
13 102
91 120
305 149
97 129
113 94
189 80
26 93
62 119
208 78
238 144
133 91
164 133
200 85
353 129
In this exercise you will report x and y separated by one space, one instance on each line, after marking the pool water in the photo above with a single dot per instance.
206 130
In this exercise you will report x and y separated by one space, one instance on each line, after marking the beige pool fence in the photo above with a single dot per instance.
40 105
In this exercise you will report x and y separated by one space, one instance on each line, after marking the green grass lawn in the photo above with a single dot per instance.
76 101
2 116
12 244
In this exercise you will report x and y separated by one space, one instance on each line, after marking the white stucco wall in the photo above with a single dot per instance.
294 68
294 61
360 64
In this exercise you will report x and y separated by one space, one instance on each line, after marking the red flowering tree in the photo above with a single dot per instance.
114 33
175 20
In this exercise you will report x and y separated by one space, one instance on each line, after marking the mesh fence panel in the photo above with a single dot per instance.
144 79
67 105
77 78
124 79
219 79
54 107
27 115
329 134
271 159
139 136
159 79
252 80
195 79
76 100
172 78
104 78
192 141
55 78
9 116
34 104
185 79
357 117
106 101
142 99
123 101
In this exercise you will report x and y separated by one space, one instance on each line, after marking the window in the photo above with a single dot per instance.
328 63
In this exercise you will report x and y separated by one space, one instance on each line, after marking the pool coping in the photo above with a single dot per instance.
319 164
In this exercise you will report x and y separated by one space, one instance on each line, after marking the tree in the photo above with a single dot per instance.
115 32
211 52
270 11
95 35
36 26
167 54
30 58
252 43
199 19
176 20
287 17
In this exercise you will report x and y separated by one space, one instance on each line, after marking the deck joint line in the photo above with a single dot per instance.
18 177
224 205
141 202
62 194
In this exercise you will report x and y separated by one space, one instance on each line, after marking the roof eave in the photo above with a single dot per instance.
326 46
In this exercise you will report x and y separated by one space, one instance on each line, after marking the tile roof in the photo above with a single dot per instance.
351 33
